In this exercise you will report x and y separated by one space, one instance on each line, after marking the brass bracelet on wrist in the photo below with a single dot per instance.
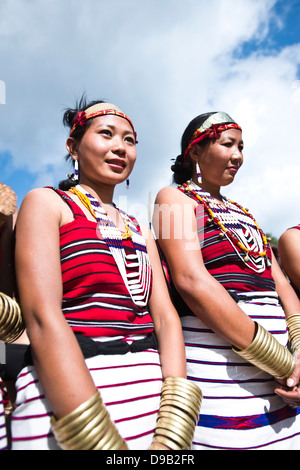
11 321
87 434
165 441
183 429
184 420
174 435
266 353
177 428
183 384
293 324
181 392
189 409
157 446
87 406
88 427
178 414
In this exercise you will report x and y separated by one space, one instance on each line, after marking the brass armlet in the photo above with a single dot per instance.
293 324
88 427
178 414
266 353
11 321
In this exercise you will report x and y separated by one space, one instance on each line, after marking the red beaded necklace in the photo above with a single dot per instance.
213 218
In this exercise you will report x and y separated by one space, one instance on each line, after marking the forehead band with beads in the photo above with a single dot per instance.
211 128
99 109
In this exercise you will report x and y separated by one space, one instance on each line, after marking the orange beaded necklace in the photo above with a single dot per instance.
227 232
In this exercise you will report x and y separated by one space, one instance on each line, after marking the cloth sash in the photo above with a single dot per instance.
260 296
91 348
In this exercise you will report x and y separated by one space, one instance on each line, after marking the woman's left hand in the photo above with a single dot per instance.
289 389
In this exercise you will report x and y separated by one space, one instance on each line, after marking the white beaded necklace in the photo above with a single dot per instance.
239 223
135 269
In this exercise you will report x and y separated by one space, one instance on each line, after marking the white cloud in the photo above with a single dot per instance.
163 63
269 114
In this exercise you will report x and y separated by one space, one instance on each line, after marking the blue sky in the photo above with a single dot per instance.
283 28
162 62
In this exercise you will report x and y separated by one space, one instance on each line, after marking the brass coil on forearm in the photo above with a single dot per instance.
293 324
11 320
178 414
88 427
266 353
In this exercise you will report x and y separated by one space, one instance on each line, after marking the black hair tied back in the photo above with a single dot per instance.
183 171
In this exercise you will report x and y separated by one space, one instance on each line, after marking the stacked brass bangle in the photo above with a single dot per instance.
11 321
293 324
266 353
88 427
178 414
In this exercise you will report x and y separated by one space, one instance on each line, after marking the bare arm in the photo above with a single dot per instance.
289 249
290 301
166 320
57 357
205 296
291 304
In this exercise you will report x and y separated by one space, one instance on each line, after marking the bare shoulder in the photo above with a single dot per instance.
170 195
289 235
39 194
167 193
41 201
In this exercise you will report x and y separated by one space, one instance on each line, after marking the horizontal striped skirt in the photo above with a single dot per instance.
240 409
3 437
129 385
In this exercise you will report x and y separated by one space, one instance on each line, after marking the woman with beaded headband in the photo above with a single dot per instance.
226 286
104 333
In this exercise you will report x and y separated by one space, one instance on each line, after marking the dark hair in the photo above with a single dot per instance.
68 121
183 171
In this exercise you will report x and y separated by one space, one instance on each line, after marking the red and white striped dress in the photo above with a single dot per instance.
96 304
240 409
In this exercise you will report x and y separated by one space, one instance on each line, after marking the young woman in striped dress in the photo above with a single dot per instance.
96 307
226 286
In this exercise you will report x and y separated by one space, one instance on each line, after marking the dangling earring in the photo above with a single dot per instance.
127 183
198 173
76 170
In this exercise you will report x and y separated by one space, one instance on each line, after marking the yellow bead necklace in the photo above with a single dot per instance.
86 202
186 188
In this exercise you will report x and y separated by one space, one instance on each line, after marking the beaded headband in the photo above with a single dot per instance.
211 128
99 109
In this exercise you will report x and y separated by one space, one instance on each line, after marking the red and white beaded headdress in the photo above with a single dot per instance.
99 109
211 128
